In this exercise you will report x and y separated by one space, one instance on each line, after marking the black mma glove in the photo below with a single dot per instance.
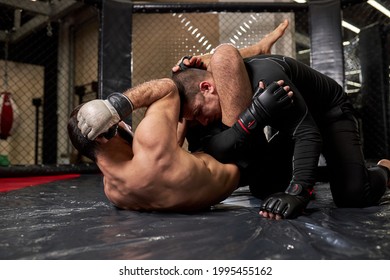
264 107
289 204
192 64
181 64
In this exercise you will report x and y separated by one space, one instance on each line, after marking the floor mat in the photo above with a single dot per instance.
10 184
72 219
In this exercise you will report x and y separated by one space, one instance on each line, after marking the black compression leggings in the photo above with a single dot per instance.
351 183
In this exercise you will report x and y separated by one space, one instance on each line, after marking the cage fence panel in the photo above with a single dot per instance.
48 65
49 61
160 40
366 60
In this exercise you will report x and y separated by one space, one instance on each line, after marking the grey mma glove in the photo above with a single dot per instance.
98 116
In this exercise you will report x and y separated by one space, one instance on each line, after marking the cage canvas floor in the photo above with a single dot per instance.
72 219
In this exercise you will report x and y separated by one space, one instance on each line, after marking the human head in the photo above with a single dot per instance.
85 146
198 95
91 148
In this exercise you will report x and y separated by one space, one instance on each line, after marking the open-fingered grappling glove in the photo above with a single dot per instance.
265 106
98 116
288 204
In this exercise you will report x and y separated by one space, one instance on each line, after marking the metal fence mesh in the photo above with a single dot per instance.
53 67
159 40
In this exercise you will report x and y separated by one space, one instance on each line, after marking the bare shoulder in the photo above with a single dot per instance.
126 193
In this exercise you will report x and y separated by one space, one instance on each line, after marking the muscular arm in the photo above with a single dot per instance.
230 76
149 92
98 116
231 81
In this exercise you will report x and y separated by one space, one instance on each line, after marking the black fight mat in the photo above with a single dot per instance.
72 219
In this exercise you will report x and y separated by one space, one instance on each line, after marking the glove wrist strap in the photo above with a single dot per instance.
121 103
249 122
298 189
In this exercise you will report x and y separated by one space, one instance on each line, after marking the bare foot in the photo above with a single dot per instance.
269 40
385 163
262 47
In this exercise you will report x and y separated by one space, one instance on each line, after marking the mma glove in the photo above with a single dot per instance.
98 116
192 63
289 204
264 107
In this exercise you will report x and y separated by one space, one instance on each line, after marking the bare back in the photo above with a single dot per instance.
163 176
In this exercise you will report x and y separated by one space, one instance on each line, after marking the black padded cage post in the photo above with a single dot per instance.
327 54
114 48
374 62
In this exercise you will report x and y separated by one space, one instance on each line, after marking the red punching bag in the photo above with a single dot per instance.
6 115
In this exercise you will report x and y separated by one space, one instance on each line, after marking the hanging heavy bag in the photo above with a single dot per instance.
7 115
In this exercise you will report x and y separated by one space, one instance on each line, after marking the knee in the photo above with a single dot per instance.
348 202
356 198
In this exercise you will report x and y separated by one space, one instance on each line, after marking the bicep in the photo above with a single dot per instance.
156 134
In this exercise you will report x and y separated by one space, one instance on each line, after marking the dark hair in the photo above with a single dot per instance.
85 146
187 82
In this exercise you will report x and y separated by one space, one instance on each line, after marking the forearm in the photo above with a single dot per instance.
307 148
233 146
147 93
231 81
96 117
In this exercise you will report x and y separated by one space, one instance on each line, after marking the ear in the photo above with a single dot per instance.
206 87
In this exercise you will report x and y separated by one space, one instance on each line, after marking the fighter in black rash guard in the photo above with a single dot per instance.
322 120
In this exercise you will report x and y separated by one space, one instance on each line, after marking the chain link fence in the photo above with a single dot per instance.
49 63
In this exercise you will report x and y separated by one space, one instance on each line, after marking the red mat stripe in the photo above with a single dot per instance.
10 184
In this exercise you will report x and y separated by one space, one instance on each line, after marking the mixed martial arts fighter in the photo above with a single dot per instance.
321 120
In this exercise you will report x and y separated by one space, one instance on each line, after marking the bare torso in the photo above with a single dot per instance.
155 173
192 182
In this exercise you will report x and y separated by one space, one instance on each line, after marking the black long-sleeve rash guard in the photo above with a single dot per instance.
317 99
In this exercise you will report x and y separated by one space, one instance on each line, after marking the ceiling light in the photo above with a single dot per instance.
379 7
350 26
304 51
